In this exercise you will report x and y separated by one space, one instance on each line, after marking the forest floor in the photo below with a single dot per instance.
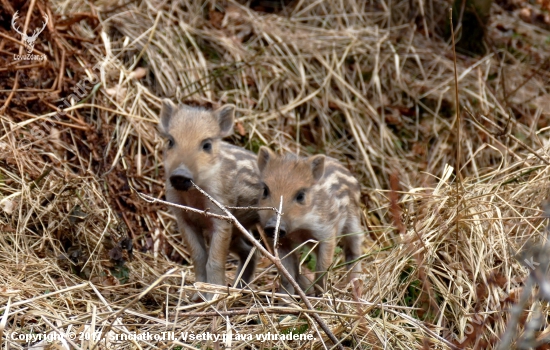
448 252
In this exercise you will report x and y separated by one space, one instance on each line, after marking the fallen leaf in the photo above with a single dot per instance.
240 129
138 73
117 91
7 206
110 281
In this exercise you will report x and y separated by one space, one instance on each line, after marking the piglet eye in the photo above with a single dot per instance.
170 143
301 197
265 193
207 146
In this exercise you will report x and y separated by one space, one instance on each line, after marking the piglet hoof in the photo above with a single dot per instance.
310 292
196 297
319 291
283 302
200 297
241 285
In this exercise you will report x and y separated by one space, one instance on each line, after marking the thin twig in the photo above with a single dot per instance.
280 267
151 199
277 226
457 102
252 208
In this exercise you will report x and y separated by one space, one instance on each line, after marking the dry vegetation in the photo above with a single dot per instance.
370 83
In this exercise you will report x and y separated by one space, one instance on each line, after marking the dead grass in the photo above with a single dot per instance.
368 83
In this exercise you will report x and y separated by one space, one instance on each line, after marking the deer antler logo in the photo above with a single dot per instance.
28 40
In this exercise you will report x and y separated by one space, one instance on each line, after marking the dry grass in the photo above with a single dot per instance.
371 84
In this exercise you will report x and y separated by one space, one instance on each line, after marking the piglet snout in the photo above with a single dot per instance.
181 179
271 225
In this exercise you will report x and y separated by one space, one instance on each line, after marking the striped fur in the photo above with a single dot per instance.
320 202
228 173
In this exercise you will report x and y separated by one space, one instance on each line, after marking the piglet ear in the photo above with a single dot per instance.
166 112
225 116
317 164
264 156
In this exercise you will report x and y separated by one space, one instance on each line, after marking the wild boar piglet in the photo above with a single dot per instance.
320 202
196 153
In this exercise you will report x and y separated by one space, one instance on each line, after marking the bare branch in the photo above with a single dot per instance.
151 199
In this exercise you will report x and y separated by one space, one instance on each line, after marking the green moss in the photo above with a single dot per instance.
254 145
122 273
311 259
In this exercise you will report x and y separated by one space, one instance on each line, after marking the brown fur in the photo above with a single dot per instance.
226 172
320 202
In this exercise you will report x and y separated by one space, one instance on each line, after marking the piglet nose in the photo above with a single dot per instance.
271 225
181 179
